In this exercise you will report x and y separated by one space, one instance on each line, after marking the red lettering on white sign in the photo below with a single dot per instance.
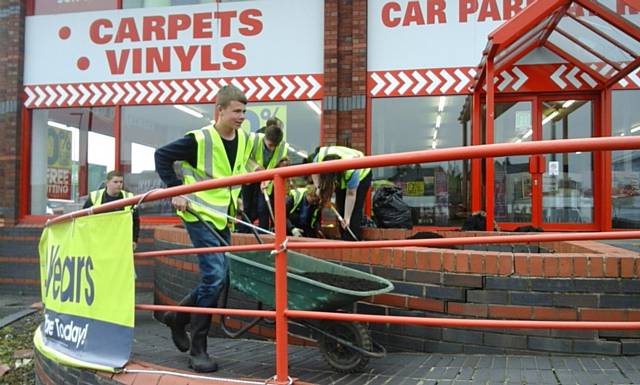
415 13
189 58
58 183
179 26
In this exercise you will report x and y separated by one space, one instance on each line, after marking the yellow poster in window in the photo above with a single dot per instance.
256 117
415 188
58 163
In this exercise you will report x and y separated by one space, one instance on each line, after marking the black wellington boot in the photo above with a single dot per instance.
200 360
178 322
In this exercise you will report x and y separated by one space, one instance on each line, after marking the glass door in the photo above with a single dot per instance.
512 179
567 182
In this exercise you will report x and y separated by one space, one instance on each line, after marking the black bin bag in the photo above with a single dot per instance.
389 210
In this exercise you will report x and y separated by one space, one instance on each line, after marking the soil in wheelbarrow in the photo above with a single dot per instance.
345 282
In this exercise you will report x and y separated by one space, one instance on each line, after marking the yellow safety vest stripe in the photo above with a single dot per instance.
343 153
96 197
212 163
279 153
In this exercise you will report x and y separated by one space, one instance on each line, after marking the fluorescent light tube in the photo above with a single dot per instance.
314 107
549 118
188 110
55 124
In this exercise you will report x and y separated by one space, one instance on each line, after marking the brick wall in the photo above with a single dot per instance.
48 372
345 68
11 46
593 282
20 264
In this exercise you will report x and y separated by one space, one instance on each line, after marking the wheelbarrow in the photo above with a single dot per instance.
345 346
312 284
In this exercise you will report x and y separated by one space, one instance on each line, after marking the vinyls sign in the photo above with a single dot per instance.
213 40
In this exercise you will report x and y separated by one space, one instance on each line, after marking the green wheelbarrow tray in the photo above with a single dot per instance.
345 346
253 273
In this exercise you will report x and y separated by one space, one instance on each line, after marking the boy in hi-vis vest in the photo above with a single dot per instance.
217 151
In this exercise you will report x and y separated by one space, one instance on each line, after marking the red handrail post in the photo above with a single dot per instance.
282 348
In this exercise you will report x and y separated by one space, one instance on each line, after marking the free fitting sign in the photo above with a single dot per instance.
214 40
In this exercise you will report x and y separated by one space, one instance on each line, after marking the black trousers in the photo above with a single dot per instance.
358 208
255 206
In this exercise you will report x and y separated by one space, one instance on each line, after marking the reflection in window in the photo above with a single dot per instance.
567 184
145 128
511 177
625 184
438 193
168 3
48 7
72 151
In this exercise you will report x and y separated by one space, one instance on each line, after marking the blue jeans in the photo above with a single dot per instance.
213 266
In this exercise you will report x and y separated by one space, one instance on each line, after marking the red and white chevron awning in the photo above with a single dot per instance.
434 81
186 91
519 78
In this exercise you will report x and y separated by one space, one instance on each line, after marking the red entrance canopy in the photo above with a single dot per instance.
586 33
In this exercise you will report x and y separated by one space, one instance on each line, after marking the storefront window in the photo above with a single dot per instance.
438 193
72 150
146 128
625 184
48 7
168 3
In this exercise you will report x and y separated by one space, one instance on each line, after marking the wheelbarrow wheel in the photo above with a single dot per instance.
338 355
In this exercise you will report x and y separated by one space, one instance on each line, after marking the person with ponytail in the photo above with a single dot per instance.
350 187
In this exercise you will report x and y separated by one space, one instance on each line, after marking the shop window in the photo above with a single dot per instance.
72 150
145 128
48 7
438 193
625 183
168 3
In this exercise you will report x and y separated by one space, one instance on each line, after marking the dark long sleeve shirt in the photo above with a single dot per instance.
186 149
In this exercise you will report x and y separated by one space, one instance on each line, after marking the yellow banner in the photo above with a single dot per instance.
88 291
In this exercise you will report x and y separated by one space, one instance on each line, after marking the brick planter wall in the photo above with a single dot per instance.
20 264
583 281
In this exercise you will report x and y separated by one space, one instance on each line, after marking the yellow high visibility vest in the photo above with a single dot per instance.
96 197
343 153
279 153
298 194
212 163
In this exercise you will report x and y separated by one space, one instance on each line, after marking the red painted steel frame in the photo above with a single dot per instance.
488 161
413 157
281 280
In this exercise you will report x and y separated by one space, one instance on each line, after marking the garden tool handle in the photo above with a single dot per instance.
266 198
335 211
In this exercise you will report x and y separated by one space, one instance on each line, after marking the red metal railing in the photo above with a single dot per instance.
278 175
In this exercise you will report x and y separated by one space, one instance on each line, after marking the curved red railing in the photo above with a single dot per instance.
279 246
